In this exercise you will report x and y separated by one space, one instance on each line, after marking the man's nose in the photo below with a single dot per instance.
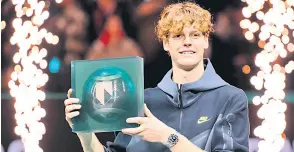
187 41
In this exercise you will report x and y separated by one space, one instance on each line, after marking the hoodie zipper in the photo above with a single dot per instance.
180 105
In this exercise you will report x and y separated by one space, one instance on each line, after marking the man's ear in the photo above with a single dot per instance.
165 45
206 42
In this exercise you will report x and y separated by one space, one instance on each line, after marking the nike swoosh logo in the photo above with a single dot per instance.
200 121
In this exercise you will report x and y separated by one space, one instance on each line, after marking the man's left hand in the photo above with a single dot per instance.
151 129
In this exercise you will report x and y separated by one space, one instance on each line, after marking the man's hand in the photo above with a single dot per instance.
89 141
70 105
151 129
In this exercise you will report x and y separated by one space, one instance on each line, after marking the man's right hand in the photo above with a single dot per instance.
89 141
71 107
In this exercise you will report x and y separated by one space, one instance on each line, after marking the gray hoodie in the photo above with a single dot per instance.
209 112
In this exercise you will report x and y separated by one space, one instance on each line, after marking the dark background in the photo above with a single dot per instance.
229 51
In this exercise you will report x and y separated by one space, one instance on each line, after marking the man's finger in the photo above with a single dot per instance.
71 101
69 92
72 107
132 131
137 120
72 114
147 111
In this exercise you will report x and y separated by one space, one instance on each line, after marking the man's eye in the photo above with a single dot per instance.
196 35
178 36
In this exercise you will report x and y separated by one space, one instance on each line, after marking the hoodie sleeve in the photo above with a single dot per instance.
231 130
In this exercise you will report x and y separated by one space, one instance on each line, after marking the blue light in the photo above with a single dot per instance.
54 65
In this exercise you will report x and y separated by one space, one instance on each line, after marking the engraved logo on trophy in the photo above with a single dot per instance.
107 93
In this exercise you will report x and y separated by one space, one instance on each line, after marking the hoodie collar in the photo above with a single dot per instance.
208 81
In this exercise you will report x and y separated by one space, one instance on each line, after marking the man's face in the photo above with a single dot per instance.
187 48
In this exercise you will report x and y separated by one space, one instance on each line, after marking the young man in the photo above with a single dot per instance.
192 109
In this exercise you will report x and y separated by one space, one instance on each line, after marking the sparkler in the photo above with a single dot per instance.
272 23
28 77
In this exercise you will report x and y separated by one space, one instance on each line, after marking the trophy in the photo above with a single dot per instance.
110 91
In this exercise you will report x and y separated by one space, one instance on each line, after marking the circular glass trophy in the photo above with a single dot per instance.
108 94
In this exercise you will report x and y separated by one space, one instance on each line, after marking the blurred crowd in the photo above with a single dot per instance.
95 29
